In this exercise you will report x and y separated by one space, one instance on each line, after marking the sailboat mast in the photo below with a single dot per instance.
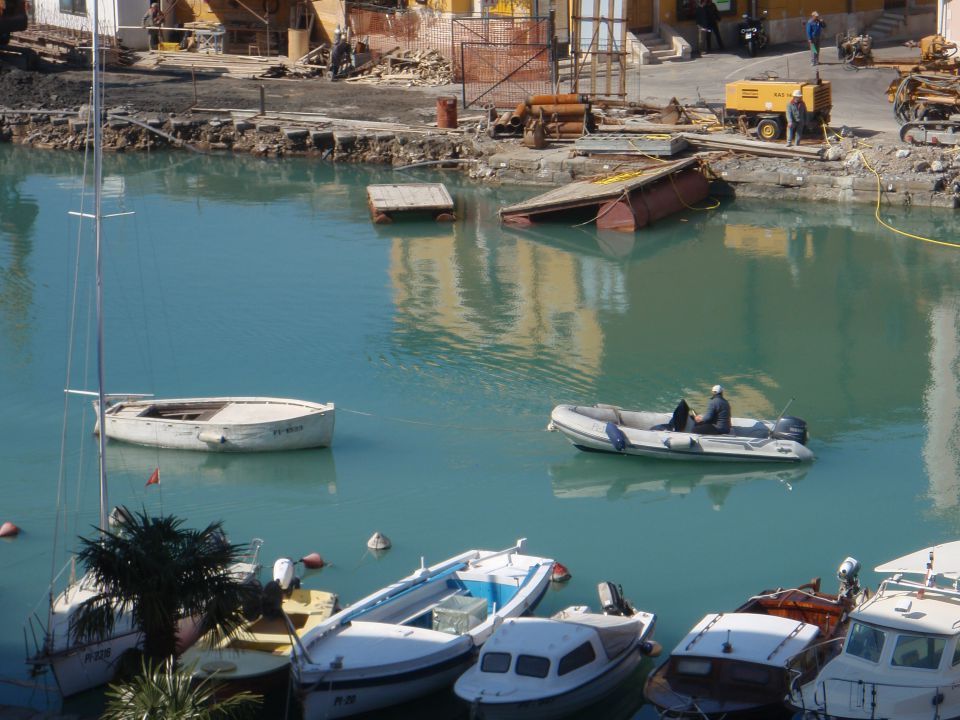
98 218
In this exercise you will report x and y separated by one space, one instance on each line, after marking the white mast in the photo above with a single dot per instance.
98 218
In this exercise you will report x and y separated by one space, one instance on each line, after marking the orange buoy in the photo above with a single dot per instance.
560 573
313 561
8 529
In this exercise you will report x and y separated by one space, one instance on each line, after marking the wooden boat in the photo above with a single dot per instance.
220 424
256 657
608 428
899 659
417 635
735 664
548 668
624 201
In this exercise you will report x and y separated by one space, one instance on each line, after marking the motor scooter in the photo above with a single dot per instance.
753 35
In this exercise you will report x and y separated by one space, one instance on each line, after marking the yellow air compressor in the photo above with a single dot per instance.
762 103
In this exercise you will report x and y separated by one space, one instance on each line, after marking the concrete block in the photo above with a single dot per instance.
243 125
788 179
296 134
266 128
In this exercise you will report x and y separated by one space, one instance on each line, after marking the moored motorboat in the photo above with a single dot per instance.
901 657
417 635
220 424
608 428
256 656
548 668
734 664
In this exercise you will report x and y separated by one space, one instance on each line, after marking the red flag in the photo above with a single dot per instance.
154 478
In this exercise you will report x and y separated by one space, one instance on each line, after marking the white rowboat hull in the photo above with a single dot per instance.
228 424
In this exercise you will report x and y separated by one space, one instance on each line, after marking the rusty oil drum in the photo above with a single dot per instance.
446 112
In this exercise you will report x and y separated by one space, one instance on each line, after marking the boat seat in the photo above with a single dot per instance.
429 608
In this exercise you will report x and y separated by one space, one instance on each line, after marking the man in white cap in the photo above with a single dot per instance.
716 420
815 27
796 117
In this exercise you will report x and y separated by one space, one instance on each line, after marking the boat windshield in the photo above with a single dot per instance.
918 651
495 662
865 641
532 666
576 658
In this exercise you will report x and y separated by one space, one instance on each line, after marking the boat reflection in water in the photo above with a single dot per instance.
587 476
295 470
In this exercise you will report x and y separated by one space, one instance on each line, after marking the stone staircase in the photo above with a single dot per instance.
886 25
652 49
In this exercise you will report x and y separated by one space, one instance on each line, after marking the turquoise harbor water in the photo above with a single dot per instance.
445 348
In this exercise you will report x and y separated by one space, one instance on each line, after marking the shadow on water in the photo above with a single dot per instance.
592 475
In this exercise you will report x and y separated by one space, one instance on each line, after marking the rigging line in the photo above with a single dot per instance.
876 214
427 423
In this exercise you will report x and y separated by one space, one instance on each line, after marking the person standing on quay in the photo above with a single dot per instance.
154 21
796 118
815 27
701 16
713 21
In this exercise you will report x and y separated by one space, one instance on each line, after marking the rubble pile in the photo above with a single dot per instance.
407 68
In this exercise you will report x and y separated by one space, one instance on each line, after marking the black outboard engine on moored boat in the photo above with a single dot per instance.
790 428
612 600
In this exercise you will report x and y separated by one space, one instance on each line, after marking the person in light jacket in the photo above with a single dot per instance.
796 117
153 20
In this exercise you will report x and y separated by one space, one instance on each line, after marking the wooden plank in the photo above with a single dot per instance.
410 197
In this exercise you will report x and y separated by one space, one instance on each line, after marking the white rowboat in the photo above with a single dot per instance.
221 424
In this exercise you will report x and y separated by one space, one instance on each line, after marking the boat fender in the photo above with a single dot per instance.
679 442
651 648
313 561
560 573
8 529
211 437
617 438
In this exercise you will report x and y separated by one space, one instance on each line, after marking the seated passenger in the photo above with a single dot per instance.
716 420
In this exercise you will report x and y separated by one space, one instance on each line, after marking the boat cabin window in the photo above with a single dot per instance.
494 662
865 642
956 654
576 658
918 651
532 666
694 666
750 674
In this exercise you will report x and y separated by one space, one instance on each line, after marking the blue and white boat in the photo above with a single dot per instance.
417 635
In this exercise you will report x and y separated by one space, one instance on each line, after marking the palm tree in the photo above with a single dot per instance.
160 572
161 692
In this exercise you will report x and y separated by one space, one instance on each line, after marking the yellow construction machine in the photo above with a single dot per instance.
761 103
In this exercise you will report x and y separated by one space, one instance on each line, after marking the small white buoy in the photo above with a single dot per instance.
379 541
8 529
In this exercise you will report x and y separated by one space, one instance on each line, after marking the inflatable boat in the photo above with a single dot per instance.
608 428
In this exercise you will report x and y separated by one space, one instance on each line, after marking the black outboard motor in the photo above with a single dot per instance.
612 600
790 428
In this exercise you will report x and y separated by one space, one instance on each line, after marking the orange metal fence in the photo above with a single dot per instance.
504 75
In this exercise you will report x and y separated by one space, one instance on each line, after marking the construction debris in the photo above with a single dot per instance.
69 47
753 147
559 117
406 68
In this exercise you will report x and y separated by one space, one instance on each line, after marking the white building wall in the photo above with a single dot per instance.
118 18
948 19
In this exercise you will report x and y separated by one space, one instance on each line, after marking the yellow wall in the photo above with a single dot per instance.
329 15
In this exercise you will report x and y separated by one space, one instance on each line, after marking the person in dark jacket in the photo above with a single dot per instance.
815 28
701 16
339 58
713 21
716 420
